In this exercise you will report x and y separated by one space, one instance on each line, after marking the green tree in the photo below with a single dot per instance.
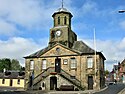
5 63
22 68
106 72
1 65
15 65
9 64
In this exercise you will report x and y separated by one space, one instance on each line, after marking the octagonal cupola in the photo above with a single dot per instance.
62 17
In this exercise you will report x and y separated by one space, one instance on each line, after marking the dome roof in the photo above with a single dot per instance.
62 10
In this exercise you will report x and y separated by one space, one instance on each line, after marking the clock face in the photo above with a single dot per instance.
58 33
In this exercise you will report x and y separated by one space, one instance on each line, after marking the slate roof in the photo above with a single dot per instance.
78 46
38 53
82 47
12 75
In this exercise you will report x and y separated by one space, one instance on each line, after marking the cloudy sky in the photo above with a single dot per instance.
25 24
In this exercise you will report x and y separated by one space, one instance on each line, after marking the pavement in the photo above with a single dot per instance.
21 91
77 92
122 92
10 90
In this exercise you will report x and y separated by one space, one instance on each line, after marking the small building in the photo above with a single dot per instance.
122 71
65 63
12 79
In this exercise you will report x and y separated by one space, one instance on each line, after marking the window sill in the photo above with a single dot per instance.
89 68
73 69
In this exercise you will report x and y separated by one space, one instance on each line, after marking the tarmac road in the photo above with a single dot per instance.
113 89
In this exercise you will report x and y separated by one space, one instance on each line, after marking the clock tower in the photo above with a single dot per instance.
61 31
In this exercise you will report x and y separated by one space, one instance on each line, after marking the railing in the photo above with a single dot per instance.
63 73
69 76
74 80
43 75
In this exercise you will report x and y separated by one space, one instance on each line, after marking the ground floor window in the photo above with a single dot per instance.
3 81
72 77
18 81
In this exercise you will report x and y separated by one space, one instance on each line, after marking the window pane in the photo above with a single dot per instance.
65 61
73 63
32 65
90 62
65 20
3 81
58 20
44 64
18 82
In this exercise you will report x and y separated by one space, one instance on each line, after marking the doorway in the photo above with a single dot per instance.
11 82
53 83
90 82
57 65
30 81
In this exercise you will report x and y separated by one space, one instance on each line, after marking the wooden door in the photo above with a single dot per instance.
58 65
90 82
53 83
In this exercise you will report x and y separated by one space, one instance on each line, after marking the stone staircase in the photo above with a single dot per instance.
42 76
74 81
63 74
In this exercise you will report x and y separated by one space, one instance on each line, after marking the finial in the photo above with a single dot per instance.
62 3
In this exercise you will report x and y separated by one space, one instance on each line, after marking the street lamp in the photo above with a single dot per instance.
121 11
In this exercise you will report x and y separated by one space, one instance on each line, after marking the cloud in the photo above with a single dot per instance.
122 24
114 51
88 7
17 48
28 14
6 28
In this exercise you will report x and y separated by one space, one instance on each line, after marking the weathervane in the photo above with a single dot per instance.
62 3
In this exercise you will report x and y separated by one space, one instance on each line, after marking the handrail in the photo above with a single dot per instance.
62 71
45 73
42 72
74 81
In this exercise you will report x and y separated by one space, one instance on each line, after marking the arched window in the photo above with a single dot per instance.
58 20
43 84
65 20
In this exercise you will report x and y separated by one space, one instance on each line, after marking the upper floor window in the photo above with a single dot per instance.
31 65
58 20
65 61
73 63
89 62
65 20
44 64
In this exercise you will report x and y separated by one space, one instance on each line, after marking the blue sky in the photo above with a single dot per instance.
25 25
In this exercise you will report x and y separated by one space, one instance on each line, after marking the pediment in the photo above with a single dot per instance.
59 50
